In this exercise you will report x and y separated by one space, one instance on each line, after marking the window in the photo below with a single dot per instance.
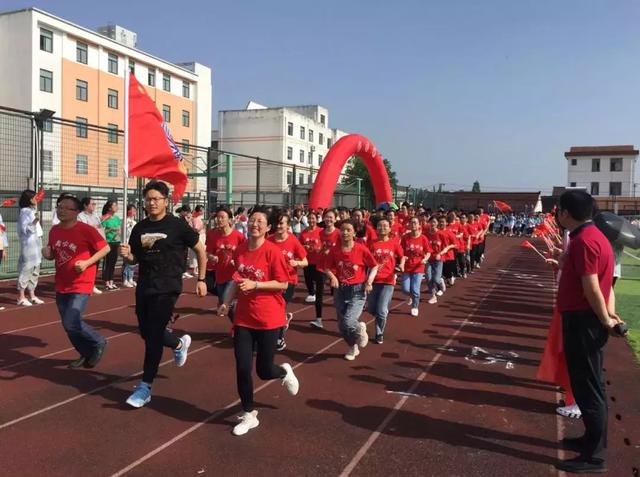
310 135
113 133
185 118
112 98
290 153
300 178
310 157
616 166
46 40
615 188
574 162
112 168
113 63
323 119
132 66
185 145
309 179
290 129
595 165
81 127
289 177
301 156
302 132
595 188
572 184
82 165
166 112
81 90
46 81
47 125
185 89
151 77
82 52
320 159
47 161
321 139
166 82
328 143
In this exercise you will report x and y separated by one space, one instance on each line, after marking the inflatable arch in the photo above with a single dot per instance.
329 173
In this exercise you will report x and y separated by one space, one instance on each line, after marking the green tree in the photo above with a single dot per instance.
357 170
476 187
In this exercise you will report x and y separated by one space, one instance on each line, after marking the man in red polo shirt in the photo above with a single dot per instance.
585 299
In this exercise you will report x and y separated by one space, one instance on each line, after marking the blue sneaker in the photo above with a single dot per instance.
180 355
141 396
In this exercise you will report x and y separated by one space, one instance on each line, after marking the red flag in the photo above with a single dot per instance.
9 202
527 244
502 206
553 366
39 196
152 151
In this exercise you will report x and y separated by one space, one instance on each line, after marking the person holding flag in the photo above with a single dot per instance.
30 236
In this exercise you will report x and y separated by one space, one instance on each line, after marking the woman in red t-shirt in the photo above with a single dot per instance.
464 245
447 253
475 229
295 257
365 234
329 238
385 251
310 240
435 283
417 250
346 267
259 281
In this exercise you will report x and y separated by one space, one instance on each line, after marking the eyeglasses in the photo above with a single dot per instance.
154 200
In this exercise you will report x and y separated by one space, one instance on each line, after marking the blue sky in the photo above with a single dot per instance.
450 91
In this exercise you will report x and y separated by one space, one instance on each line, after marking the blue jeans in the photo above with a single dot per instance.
411 286
434 276
222 291
349 302
127 272
82 336
378 304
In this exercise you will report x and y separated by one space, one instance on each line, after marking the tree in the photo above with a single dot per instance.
357 170
476 187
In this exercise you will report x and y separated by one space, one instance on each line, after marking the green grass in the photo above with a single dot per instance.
627 296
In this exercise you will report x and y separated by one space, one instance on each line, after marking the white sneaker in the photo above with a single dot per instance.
180 355
97 291
433 300
363 337
1 308
414 312
453 280
572 411
289 318
24 302
310 299
439 293
128 284
187 275
410 302
317 323
444 286
134 283
290 382
248 420
37 301
352 353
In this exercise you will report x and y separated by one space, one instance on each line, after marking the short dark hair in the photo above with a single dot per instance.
25 198
260 209
85 201
226 210
72 198
578 203
107 206
157 186
346 222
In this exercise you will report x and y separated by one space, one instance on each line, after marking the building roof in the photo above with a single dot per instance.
624 150
497 194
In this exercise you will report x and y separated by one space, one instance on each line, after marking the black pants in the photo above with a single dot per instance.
154 313
461 263
210 281
474 255
244 340
314 279
584 337
449 269
110 260
288 296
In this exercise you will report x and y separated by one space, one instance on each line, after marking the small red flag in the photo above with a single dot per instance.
502 206
152 151
9 202
527 244
39 196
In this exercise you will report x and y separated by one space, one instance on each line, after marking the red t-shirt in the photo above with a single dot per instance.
450 239
328 241
426 228
369 237
291 250
261 310
436 243
385 253
396 230
223 247
589 253
464 230
415 249
310 240
69 246
350 267
474 228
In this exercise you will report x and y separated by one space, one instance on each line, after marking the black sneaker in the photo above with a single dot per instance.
280 345
379 339
95 357
78 363
580 465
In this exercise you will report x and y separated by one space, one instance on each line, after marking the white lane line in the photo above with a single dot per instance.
374 436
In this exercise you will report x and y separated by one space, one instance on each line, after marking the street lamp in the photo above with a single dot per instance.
40 118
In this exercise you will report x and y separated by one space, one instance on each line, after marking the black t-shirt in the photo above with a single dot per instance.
159 246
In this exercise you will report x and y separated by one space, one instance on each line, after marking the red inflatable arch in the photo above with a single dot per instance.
329 173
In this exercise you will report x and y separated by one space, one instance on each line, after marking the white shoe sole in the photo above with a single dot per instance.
186 342
242 432
317 325
136 404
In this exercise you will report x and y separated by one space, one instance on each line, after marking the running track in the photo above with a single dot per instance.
452 392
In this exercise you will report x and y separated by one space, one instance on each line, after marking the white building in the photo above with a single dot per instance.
50 63
603 170
291 139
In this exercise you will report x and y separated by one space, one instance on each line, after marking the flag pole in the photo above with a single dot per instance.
125 169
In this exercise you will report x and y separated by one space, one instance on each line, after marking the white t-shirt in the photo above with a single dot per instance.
93 220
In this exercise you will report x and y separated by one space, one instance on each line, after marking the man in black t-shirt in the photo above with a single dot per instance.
158 243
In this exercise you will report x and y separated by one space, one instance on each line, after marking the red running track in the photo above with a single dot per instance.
452 392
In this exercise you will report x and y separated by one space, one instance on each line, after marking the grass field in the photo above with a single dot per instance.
627 306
